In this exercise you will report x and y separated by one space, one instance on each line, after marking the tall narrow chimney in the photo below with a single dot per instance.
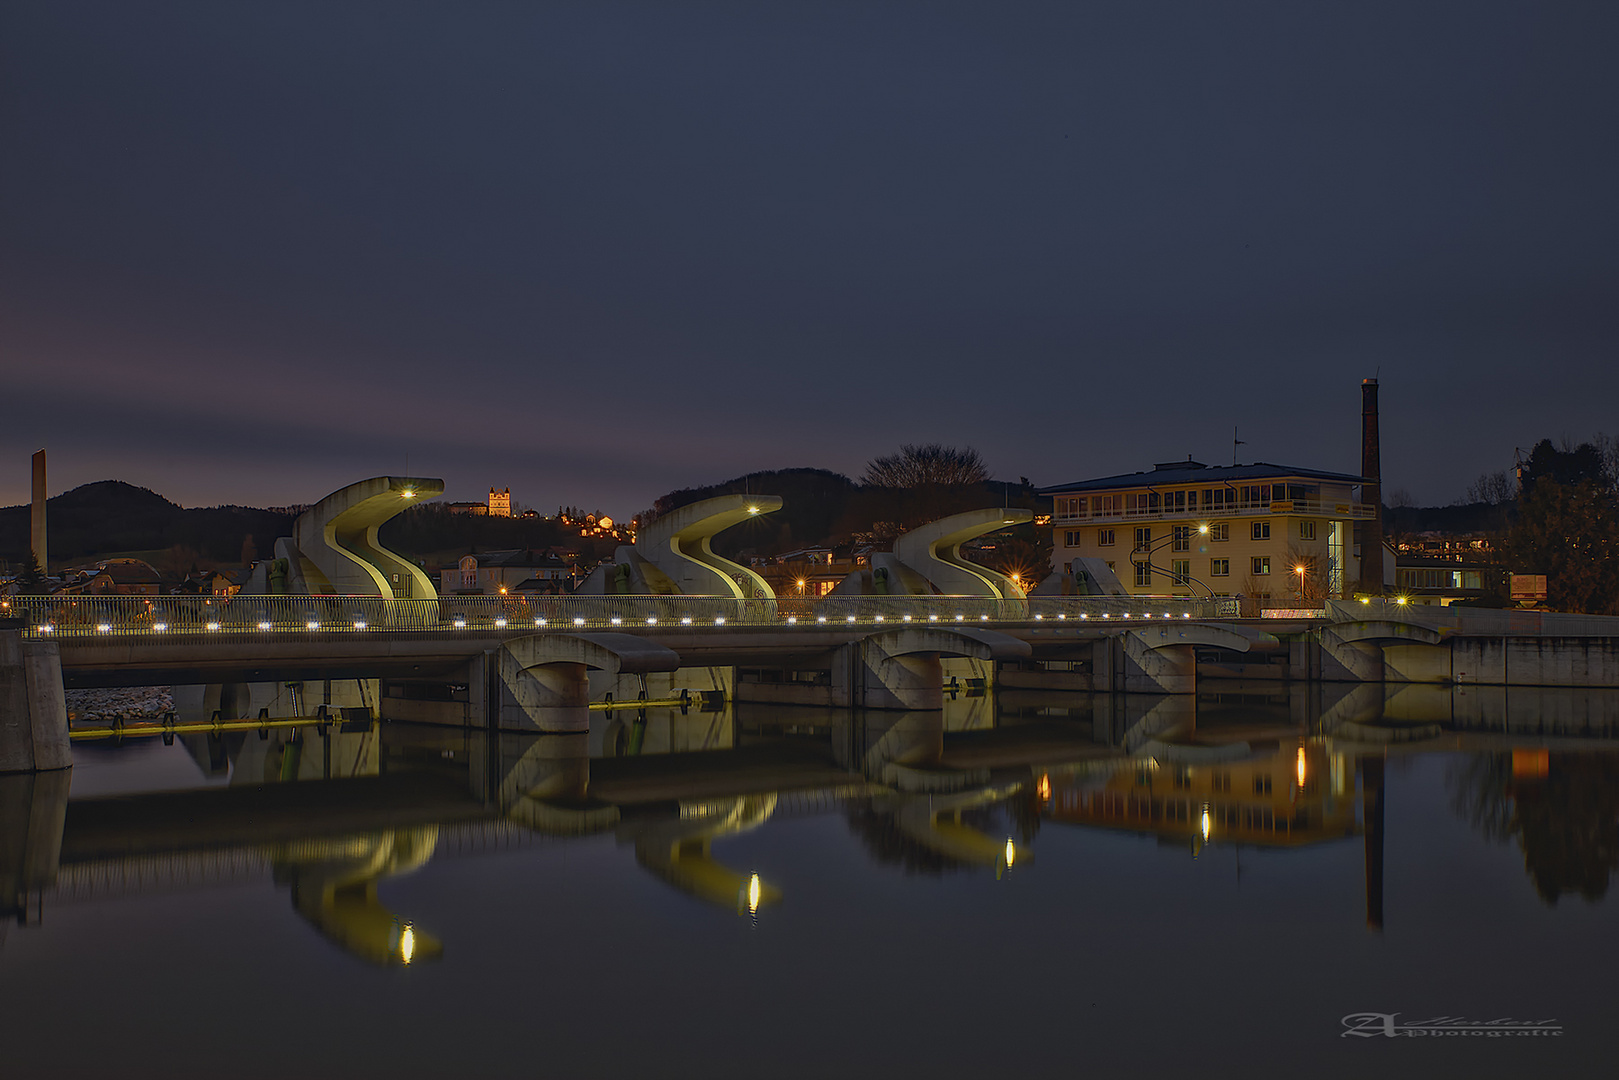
1371 532
36 533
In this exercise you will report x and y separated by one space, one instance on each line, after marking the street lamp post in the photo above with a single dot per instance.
1143 557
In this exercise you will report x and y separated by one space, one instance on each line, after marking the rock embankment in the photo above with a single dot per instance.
124 703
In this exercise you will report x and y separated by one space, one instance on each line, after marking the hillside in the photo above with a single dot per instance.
110 516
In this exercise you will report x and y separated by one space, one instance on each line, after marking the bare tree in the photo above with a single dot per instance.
1493 489
920 466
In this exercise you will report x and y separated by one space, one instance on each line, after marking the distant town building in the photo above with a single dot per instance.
477 509
500 502
1442 581
118 577
496 573
1189 529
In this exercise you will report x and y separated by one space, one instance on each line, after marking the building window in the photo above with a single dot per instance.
1261 566
1182 569
1143 576
1070 538
1183 538
1110 566
1220 530
1104 537
1143 539
1262 785
1306 530
1222 782
1219 568
1261 530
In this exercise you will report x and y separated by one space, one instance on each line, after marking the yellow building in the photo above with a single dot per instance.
1298 795
500 502
1189 529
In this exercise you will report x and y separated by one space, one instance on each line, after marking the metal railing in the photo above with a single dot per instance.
185 618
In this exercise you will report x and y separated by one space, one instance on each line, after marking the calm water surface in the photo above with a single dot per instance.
1059 885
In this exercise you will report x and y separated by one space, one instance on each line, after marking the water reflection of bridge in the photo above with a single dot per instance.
333 815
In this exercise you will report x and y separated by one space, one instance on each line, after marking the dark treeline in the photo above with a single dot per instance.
110 516
432 532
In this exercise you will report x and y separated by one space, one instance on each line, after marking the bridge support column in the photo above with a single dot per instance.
33 809
33 706
553 697
1158 669
865 673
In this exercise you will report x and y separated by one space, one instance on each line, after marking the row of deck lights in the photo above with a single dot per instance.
651 620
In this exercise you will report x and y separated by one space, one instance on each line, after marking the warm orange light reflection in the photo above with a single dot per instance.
1301 766
1044 787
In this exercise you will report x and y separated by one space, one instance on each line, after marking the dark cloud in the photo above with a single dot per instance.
597 251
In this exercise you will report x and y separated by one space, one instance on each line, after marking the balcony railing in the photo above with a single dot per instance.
1346 511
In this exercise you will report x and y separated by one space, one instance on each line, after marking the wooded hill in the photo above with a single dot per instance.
110 517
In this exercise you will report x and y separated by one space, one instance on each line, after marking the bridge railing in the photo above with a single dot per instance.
114 616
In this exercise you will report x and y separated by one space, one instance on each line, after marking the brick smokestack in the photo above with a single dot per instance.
36 532
1371 532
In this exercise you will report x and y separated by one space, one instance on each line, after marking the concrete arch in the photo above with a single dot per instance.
338 535
939 641
613 653
1384 630
1212 635
677 544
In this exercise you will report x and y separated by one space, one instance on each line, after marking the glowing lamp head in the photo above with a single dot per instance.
1011 854
754 892
1203 824
1204 529
407 944
753 509
408 493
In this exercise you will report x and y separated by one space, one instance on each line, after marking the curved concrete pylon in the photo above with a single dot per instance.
678 544
934 552
935 823
338 535
679 851
334 887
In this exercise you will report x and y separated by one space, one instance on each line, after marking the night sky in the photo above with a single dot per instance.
253 252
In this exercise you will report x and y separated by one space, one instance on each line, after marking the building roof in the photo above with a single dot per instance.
1195 472
519 557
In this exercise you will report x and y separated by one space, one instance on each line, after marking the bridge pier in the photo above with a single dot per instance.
33 810
903 669
1158 659
33 705
544 679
